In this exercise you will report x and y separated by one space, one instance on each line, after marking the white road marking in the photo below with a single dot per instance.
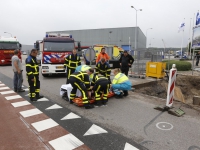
19 104
55 106
7 92
130 147
27 95
4 88
30 112
164 126
42 99
71 115
13 97
2 84
66 142
44 124
94 129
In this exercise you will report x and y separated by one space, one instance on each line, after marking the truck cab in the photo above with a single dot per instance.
55 48
7 47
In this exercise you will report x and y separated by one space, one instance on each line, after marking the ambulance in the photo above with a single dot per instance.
7 47
55 47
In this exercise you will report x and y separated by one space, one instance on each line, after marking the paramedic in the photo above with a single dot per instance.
120 82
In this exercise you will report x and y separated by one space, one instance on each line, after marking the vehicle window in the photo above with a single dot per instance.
58 46
5 45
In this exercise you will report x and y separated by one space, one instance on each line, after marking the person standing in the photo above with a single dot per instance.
71 62
32 72
101 55
125 61
103 68
17 69
197 58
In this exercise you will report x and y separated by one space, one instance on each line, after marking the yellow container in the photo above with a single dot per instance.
155 69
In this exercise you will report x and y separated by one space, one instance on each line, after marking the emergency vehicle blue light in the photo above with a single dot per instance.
46 35
70 36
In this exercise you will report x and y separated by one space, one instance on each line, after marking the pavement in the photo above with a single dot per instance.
23 124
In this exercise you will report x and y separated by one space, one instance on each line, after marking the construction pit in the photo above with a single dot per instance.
186 87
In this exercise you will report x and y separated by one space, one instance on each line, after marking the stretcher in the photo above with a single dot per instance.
79 102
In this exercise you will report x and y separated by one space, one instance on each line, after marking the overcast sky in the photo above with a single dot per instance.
30 19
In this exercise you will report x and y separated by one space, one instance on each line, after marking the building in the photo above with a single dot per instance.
122 37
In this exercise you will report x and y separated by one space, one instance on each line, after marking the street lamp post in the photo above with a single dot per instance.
110 37
150 42
8 33
146 35
136 26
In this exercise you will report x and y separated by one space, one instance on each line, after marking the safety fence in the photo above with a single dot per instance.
141 57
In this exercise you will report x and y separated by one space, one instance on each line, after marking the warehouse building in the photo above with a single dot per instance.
123 37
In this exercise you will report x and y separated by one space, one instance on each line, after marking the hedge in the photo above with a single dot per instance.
180 65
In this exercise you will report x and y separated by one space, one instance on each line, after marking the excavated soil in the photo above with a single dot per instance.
187 86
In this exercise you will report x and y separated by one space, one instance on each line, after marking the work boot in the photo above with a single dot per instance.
33 99
71 102
21 90
125 93
39 96
15 90
119 96
104 102
88 106
97 103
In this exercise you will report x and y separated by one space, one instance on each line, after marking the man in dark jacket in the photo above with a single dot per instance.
197 58
32 72
126 61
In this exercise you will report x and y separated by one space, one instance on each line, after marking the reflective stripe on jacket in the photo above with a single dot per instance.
72 61
103 69
82 77
32 67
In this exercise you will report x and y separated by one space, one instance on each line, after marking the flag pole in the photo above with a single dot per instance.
182 42
191 38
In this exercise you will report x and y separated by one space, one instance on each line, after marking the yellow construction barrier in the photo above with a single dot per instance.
155 69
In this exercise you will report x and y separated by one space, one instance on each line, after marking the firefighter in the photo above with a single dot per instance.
103 68
120 82
80 80
100 86
32 72
71 62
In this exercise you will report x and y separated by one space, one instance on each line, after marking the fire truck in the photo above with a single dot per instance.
7 47
55 47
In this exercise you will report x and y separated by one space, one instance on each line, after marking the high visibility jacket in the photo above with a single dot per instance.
32 68
103 69
97 79
120 78
82 77
72 61
100 55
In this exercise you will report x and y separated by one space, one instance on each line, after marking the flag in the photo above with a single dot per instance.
181 27
197 18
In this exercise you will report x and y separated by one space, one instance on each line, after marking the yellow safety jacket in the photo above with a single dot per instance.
82 77
32 68
120 78
72 61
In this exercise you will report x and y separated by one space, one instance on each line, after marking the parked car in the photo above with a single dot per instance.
39 58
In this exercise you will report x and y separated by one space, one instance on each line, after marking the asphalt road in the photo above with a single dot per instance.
129 120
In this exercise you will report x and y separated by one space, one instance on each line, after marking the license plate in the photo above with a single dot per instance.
59 67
